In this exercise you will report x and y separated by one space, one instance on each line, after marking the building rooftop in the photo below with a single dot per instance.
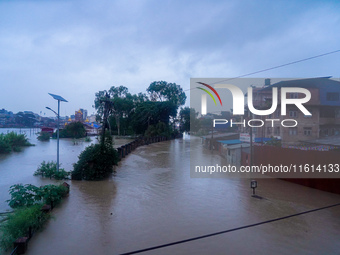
330 140
319 82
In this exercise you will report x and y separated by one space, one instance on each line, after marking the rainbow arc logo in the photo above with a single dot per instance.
209 93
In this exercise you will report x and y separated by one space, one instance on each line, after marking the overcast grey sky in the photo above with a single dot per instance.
76 48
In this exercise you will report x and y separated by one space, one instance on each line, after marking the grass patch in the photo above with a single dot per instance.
18 224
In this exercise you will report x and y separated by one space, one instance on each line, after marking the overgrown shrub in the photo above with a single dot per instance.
18 224
44 136
23 195
5 146
49 170
27 201
13 141
52 194
16 140
29 195
87 139
96 161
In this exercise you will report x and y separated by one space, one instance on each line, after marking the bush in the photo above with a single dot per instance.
29 195
87 139
23 195
49 170
96 161
19 222
16 140
44 136
28 200
13 141
52 194
5 146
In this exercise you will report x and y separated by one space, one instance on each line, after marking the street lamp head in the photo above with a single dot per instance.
52 111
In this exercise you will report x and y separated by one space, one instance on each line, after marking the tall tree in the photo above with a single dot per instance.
188 120
121 102
163 91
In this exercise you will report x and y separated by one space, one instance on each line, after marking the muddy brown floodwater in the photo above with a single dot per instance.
151 200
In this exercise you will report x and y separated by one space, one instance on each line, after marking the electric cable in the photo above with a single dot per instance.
229 230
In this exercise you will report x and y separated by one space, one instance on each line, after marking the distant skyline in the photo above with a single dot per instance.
77 48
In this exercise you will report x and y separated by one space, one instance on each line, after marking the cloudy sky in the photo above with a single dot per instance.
76 48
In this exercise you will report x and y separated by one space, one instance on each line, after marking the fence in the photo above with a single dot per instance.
126 149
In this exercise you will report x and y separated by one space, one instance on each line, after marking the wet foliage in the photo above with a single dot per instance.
96 161
49 170
13 142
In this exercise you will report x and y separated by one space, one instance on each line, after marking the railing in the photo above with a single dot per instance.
126 149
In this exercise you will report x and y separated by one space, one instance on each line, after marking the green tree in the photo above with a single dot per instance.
164 91
117 103
188 120
73 130
150 113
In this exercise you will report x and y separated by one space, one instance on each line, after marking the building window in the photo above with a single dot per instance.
307 131
337 113
333 96
293 95
293 131
292 113
277 131
269 130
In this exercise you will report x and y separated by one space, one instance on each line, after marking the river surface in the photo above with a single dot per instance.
151 200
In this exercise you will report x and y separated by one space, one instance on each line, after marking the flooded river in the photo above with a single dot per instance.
151 200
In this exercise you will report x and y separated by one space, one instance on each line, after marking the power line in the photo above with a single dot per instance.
275 67
229 230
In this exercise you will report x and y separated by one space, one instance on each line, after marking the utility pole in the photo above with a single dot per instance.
212 134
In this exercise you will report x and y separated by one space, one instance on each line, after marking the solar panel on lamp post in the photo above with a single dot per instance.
59 99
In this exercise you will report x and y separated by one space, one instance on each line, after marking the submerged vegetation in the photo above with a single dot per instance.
49 170
72 130
44 136
13 142
27 200
28 195
96 161
18 224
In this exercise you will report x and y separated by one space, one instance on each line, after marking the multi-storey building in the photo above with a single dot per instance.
324 106
78 116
